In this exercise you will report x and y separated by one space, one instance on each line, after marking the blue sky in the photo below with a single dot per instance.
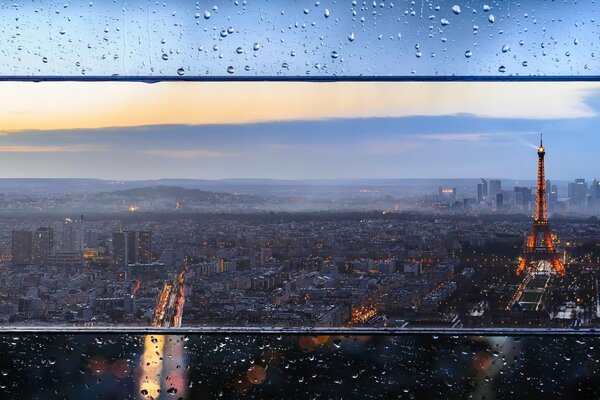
495 136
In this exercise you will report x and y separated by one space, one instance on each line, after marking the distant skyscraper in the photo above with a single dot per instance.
42 245
494 188
132 247
595 193
523 197
72 236
144 247
552 197
578 191
482 191
499 201
21 247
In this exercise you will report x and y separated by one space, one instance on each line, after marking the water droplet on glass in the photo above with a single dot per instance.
44 60
351 37
239 50
165 56
326 13
334 54
230 69
445 22
468 54
180 72
502 69
256 46
456 9
486 8
223 33
491 18
524 63
207 14
505 48
306 11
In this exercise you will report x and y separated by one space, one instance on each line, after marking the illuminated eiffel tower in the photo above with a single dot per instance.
540 245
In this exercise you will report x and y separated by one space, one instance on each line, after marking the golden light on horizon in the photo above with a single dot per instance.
90 105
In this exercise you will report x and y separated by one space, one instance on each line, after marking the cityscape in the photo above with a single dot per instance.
355 255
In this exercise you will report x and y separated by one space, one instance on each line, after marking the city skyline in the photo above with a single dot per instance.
297 130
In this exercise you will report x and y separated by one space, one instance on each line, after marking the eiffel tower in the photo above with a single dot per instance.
540 245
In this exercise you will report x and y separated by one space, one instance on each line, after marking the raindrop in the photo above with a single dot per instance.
180 71
62 31
468 54
230 69
165 56
491 18
486 8
326 13
223 33
502 69
239 50
505 48
456 9
306 11
351 37
334 54
206 14
256 46
524 63
44 60
445 22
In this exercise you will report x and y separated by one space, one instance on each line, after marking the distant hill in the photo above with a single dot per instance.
177 193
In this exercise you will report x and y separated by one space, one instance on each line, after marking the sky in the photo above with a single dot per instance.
298 130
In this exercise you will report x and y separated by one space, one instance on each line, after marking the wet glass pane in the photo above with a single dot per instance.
232 39
373 367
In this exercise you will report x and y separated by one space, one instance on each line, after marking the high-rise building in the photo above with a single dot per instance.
144 247
499 201
523 197
594 198
71 240
578 191
21 246
482 191
132 247
42 245
494 188
552 197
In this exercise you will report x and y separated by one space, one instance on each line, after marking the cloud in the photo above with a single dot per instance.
48 149
92 105
184 154
474 136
